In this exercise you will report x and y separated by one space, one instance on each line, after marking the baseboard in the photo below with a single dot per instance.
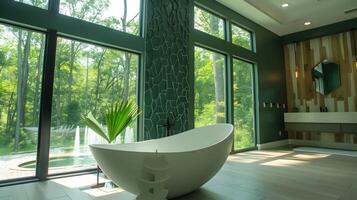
323 144
274 144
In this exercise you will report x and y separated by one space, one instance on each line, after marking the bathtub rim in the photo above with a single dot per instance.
105 146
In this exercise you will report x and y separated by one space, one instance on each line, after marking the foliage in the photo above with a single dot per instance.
119 115
241 37
87 77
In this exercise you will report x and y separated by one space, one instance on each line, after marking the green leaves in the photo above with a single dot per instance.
118 116
93 124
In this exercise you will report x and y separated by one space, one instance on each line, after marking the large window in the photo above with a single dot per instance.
209 87
46 71
209 23
87 79
21 61
123 15
243 104
242 37
209 80
37 3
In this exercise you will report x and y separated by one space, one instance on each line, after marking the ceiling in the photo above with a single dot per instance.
282 21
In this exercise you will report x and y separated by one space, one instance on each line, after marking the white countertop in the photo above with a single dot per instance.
321 117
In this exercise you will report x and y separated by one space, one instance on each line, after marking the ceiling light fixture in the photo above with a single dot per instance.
284 5
307 23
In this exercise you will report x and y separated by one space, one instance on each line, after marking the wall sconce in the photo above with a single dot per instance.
296 74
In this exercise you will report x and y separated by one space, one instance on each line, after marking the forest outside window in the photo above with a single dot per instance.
243 104
209 23
242 37
123 15
209 87
21 65
87 79
38 3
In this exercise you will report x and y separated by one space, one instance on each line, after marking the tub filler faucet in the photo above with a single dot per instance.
169 123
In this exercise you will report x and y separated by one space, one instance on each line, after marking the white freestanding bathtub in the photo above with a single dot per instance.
166 167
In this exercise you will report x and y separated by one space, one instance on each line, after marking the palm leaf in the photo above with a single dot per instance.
93 124
119 116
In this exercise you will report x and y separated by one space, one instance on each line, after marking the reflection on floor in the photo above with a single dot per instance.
270 174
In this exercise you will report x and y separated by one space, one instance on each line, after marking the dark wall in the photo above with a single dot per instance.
167 87
271 87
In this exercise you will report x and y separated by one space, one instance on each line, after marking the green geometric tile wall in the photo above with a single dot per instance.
167 86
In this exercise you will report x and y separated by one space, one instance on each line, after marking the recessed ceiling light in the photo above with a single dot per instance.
307 23
284 5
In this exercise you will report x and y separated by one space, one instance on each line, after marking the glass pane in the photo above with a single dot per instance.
209 87
243 104
37 3
21 63
123 15
87 78
241 37
209 23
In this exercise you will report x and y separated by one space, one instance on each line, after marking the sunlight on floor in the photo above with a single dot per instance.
270 154
284 163
87 184
311 156
99 192
256 156
79 181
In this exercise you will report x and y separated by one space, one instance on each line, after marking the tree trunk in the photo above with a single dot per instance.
25 74
58 97
70 78
19 92
126 75
127 57
37 84
86 99
218 78
9 119
97 93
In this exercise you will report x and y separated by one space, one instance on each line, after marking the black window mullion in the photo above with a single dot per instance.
46 106
53 6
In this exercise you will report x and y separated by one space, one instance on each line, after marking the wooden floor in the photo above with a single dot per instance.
256 175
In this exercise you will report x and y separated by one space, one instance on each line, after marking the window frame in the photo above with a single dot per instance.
209 11
232 51
140 17
35 177
251 34
226 77
60 36
53 24
254 100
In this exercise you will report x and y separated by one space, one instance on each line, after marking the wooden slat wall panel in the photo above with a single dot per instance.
301 57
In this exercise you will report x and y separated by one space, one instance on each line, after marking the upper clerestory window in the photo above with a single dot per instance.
242 37
123 15
37 3
209 23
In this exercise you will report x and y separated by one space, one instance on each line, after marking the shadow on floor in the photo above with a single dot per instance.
201 194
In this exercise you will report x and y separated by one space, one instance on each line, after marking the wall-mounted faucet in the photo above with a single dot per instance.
169 124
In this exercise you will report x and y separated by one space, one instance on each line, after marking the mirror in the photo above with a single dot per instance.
326 77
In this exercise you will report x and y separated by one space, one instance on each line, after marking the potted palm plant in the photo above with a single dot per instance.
117 117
